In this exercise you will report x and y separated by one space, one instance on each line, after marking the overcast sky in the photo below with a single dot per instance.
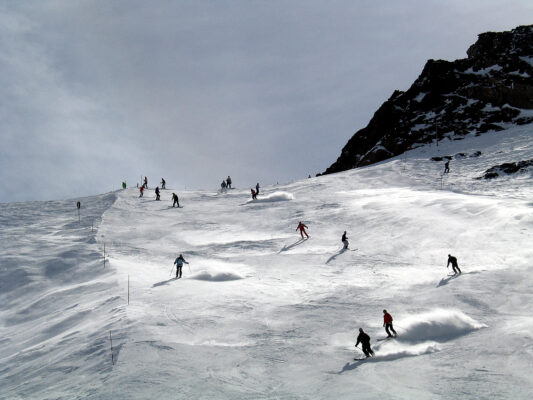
97 92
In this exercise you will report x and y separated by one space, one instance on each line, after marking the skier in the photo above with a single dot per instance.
141 189
387 323
345 240
78 204
179 264
254 194
364 339
447 167
123 185
228 182
175 200
163 184
157 193
223 186
302 227
145 182
257 189
452 260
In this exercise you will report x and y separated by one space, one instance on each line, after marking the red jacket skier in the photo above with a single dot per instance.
387 323
302 227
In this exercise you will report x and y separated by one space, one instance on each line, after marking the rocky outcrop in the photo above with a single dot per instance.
507 168
484 92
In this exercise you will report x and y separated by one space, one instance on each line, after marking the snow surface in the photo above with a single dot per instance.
262 314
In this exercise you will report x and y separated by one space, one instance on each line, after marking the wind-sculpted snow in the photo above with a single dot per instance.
260 313
272 197
216 276
438 325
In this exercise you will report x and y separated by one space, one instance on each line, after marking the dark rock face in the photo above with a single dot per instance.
507 168
450 100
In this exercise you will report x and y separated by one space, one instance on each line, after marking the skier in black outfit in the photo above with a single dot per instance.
175 200
157 197
364 339
447 167
257 189
452 260
163 184
228 182
145 184
345 240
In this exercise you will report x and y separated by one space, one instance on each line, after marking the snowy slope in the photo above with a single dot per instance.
261 314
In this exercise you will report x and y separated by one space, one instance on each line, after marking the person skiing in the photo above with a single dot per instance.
228 182
163 184
175 200
141 189
124 185
145 184
257 189
364 339
302 227
254 194
223 186
387 323
179 264
447 167
452 260
78 204
157 197
345 240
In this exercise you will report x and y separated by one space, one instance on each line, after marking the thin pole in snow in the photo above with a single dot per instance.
111 341
79 219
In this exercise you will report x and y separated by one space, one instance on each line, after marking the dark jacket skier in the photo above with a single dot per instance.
228 182
163 184
447 167
345 240
157 197
452 260
364 339
179 264
257 189
387 323
145 184
175 200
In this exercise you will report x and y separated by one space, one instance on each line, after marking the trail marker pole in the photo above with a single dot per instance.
111 341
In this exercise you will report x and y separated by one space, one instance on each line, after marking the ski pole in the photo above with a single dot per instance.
171 270
189 268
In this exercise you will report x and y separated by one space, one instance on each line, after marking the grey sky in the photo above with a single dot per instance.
97 92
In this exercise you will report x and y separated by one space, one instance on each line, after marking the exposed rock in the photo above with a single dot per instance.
450 100
506 168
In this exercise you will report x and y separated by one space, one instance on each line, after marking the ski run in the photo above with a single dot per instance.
260 313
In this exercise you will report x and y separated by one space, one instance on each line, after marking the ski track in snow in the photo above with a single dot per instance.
260 313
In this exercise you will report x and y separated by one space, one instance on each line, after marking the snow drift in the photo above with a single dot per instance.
216 277
439 325
273 197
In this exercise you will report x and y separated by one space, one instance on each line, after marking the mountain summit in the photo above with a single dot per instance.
484 92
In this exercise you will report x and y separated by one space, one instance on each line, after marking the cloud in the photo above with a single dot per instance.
97 93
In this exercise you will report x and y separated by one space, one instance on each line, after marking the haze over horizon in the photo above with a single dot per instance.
95 93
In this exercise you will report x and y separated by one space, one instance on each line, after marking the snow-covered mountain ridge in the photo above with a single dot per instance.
485 92
263 315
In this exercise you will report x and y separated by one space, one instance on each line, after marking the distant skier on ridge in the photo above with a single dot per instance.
387 323
364 339
163 184
179 264
452 260
175 200
157 197
228 182
302 227
257 189
447 167
145 184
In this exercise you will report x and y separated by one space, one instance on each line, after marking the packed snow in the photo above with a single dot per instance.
260 313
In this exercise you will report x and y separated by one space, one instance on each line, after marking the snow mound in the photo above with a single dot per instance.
439 325
216 277
273 197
